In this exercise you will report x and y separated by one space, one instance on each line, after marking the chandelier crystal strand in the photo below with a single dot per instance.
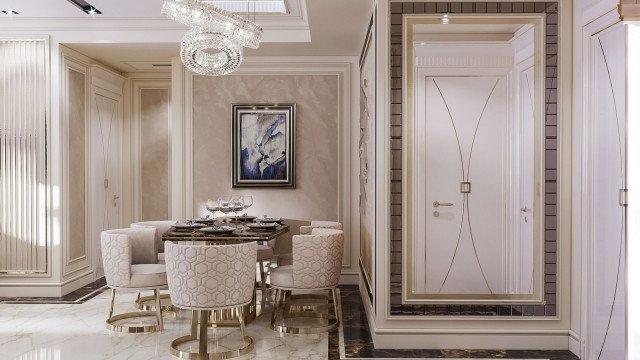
198 53
214 44
197 14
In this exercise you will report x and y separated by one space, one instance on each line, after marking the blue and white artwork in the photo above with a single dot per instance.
263 146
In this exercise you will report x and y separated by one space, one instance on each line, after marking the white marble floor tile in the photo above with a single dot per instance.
55 332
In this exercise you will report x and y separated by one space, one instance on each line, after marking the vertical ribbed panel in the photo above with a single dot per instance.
23 91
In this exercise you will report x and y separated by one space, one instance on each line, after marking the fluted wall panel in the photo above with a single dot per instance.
23 93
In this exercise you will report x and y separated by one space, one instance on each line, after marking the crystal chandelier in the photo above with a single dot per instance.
214 44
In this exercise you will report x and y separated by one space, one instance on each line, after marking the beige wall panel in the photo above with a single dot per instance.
77 194
154 164
317 143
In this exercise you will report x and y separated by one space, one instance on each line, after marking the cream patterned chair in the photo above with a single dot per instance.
129 257
317 262
204 278
265 254
287 259
161 226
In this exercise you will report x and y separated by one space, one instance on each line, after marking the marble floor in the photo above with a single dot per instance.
77 331
73 328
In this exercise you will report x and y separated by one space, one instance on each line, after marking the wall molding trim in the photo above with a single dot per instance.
73 63
134 129
469 61
47 213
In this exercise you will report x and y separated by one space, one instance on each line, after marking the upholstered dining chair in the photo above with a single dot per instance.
317 262
161 226
204 278
129 258
287 259
265 254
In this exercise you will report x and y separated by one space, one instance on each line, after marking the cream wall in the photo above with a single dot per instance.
316 142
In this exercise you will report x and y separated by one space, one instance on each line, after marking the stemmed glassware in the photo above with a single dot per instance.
248 201
237 205
213 207
224 204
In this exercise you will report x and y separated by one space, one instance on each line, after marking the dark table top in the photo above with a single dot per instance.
239 235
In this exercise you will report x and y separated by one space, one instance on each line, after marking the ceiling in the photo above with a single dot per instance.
311 28
109 8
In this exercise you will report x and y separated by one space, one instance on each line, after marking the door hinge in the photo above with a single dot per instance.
624 193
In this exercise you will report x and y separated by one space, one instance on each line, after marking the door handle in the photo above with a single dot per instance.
115 198
525 209
438 204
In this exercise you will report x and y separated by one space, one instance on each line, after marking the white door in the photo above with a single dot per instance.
105 168
526 183
606 217
465 135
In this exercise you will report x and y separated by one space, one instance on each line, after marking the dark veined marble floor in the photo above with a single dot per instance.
358 343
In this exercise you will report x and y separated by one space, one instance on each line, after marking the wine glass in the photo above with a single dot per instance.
213 207
237 205
248 201
224 204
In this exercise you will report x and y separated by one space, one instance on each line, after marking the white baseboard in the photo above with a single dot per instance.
348 278
574 343
53 289
77 282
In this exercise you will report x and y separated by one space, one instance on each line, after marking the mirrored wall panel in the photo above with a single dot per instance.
475 163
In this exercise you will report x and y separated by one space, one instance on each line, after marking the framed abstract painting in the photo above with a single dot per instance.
264 145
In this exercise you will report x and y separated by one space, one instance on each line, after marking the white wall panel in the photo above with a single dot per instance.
23 117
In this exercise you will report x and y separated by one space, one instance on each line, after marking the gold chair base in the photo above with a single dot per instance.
285 309
202 339
247 348
130 329
147 303
226 318
112 319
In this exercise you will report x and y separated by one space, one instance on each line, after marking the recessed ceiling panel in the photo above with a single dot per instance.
258 6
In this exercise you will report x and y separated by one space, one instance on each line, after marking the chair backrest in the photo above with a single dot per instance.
317 259
162 226
211 276
123 247
306 230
